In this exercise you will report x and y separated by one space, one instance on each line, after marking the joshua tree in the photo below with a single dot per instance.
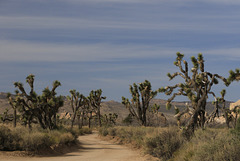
95 99
197 87
77 101
49 105
14 104
41 107
141 97
110 119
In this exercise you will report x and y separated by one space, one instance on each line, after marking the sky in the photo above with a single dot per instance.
110 44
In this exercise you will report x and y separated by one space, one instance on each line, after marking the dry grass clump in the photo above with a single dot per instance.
159 142
210 145
134 135
165 143
169 144
23 139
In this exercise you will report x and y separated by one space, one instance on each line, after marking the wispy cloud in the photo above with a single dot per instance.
168 23
30 51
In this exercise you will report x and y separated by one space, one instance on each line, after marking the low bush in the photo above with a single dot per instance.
23 139
159 142
210 145
169 144
103 131
164 144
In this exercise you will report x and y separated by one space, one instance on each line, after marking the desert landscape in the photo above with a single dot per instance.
119 80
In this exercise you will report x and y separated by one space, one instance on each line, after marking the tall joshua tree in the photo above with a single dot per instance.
141 97
41 107
95 98
77 101
197 87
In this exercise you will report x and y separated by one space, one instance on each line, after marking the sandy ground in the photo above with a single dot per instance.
93 149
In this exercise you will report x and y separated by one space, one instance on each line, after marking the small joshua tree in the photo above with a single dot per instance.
95 98
197 87
77 101
14 103
141 97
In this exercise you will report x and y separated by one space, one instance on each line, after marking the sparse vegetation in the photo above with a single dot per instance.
167 143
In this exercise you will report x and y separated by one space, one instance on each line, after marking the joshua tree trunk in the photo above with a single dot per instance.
15 117
82 119
89 120
73 119
99 118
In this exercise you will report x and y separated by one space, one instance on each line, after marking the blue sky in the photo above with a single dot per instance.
110 44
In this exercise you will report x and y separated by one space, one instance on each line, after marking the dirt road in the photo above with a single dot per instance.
93 149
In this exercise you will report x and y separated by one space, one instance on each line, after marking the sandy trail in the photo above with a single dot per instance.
93 149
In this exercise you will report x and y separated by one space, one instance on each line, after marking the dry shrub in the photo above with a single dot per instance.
36 141
103 131
77 132
160 142
164 144
66 138
210 145
22 138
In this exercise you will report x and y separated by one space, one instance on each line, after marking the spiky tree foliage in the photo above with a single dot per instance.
95 98
43 107
197 87
141 97
234 75
77 101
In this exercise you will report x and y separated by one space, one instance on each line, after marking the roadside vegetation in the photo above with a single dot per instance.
191 139
37 139
168 143
37 125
